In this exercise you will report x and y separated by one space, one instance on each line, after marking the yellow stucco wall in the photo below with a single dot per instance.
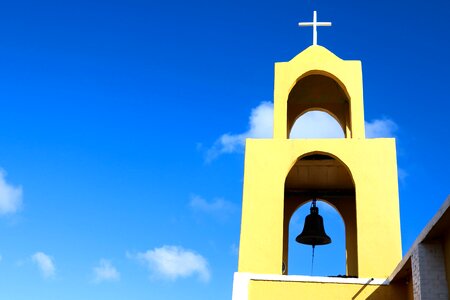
276 290
372 163
318 60
371 217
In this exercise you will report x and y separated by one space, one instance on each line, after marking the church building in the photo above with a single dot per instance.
355 175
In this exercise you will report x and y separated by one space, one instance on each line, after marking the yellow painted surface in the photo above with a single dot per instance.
372 163
317 60
314 175
316 79
275 290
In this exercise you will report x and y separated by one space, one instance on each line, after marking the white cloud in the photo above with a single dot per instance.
173 262
10 196
44 263
313 124
234 249
260 126
217 207
316 124
105 271
381 128
402 174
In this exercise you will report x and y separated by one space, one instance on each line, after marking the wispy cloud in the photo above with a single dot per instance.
217 207
402 175
105 271
234 249
260 126
380 128
173 262
10 196
313 124
316 124
44 263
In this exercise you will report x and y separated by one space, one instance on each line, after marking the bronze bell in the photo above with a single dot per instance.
313 231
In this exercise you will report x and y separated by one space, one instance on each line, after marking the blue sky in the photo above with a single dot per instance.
112 123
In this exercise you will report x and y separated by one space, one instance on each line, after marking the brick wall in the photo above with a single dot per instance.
428 272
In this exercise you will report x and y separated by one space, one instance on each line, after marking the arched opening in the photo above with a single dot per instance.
328 259
316 124
319 92
324 177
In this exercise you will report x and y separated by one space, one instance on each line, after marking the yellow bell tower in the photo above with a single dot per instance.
357 176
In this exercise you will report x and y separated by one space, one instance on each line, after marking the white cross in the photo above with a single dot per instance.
314 25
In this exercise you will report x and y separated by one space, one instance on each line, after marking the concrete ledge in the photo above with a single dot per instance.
241 281
321 279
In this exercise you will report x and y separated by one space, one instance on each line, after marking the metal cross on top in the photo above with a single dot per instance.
314 25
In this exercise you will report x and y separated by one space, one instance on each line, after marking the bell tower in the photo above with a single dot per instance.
356 175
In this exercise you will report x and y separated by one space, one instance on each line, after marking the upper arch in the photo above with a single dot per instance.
322 73
345 75
315 91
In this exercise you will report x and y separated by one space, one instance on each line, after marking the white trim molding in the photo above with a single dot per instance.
242 280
